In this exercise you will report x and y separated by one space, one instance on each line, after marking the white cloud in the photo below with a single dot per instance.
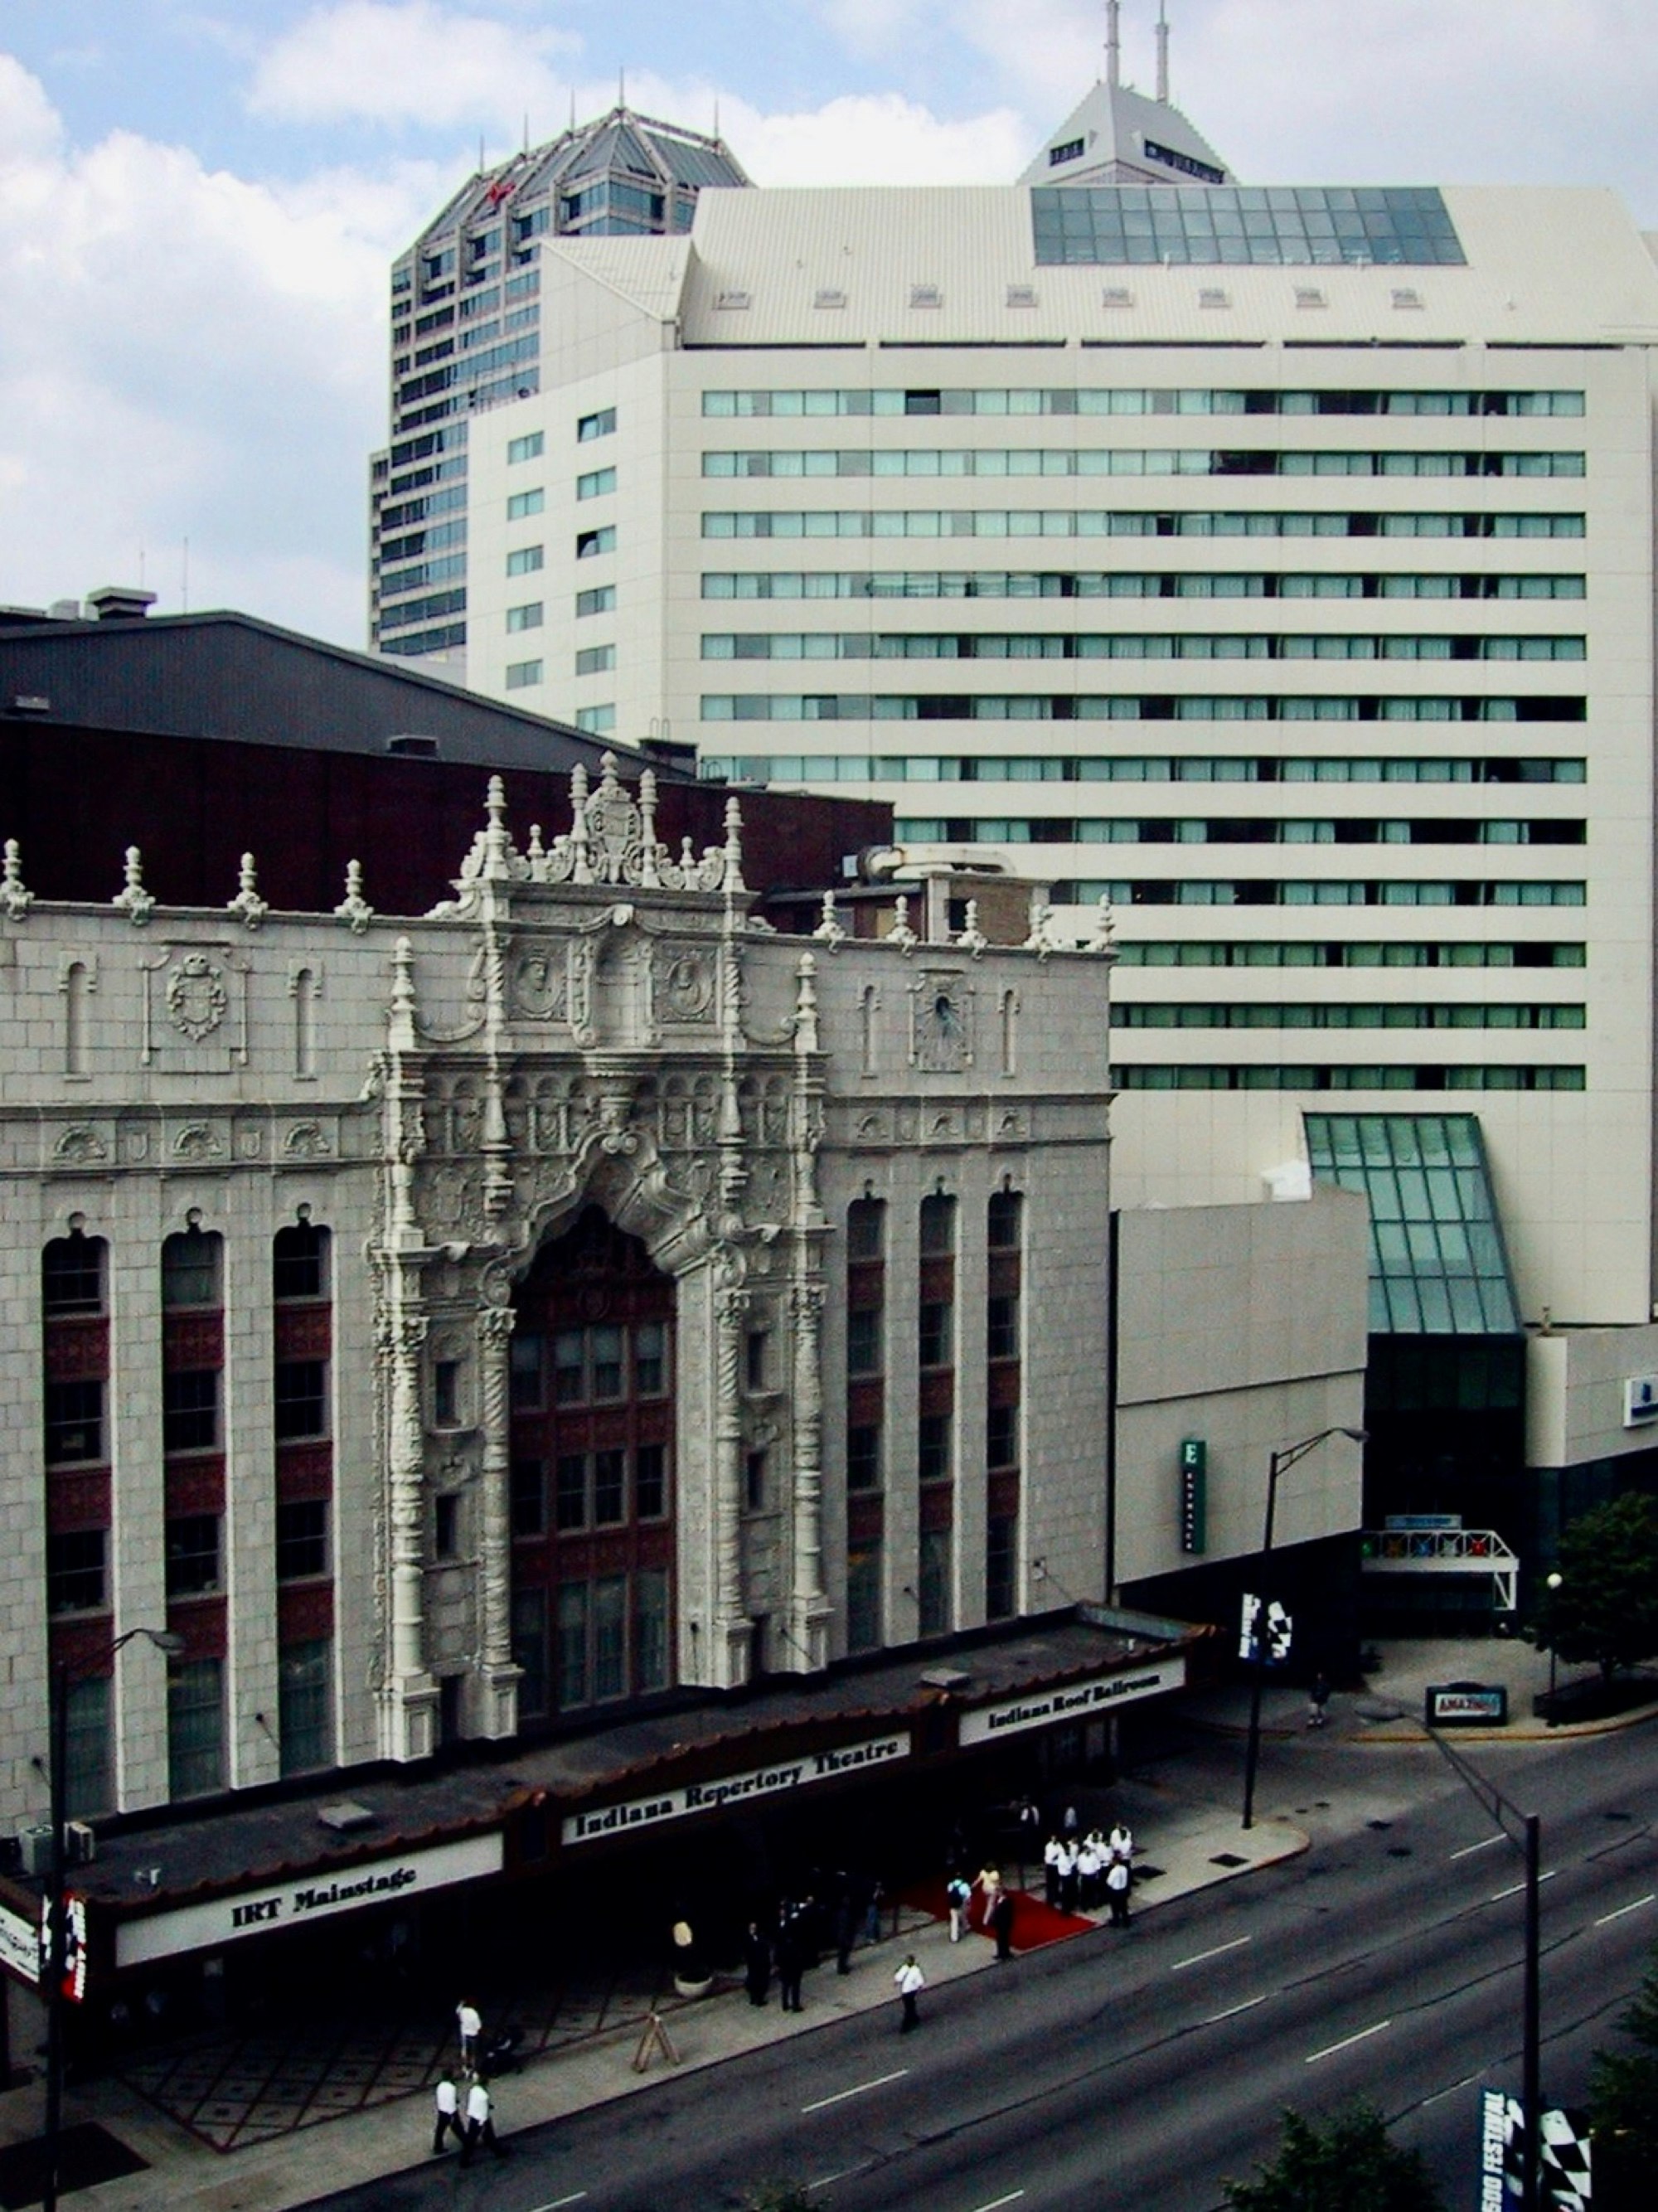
186 354
412 63
877 138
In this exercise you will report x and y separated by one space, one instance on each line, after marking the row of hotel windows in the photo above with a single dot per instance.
1123 522
1130 400
77 1560
1107 584
1180 1014
1130 706
1380 1077
1120 645
1121 461
1233 953
1130 768
1263 891
594 484
1064 829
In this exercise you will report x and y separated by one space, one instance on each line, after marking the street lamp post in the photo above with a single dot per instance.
1279 1463
1552 1582
61 1680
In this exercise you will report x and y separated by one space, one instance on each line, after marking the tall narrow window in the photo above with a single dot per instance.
190 1269
1004 1410
303 1723
195 1727
77 983
303 991
866 1420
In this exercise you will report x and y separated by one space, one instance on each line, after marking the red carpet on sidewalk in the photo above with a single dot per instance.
1035 1921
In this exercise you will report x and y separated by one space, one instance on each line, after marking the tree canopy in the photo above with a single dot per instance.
1344 2164
1623 2104
1605 1608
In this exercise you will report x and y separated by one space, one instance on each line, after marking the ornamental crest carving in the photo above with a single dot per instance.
196 1000
684 987
540 987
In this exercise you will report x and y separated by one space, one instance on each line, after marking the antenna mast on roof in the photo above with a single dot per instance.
1113 42
622 88
1163 51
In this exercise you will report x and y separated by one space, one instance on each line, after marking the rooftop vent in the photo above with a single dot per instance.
733 299
31 702
829 296
1213 295
926 296
1021 296
413 745
119 603
1407 295
64 611
1116 295
946 1678
1309 295
346 1817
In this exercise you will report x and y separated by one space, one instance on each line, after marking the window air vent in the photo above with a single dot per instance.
733 299
829 296
1213 295
414 746
926 296
31 702
1407 295
1021 296
1309 295
1116 295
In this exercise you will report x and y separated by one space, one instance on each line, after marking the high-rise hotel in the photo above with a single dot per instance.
1277 560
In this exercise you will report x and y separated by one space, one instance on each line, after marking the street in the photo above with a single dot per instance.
1139 2069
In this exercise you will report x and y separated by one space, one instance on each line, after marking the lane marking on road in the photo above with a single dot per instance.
1231 2011
841 2095
1197 1957
560 2200
1484 1844
1451 2092
1515 1887
996 2203
1346 2043
842 2173
1607 1918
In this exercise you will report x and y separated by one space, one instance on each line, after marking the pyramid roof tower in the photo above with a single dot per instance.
1117 136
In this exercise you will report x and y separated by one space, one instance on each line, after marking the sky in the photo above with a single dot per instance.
199 200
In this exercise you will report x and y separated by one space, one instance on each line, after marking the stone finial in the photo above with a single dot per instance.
133 900
828 931
403 985
805 1004
901 933
650 853
734 847
247 903
354 908
535 850
972 938
15 896
1044 937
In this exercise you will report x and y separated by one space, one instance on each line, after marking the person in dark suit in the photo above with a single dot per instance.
756 1963
999 1921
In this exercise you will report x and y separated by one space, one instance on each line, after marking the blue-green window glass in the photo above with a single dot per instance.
1437 1263
1207 225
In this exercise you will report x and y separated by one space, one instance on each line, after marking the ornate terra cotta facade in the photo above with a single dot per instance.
596 1045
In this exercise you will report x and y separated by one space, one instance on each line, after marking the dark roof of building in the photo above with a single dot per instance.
234 678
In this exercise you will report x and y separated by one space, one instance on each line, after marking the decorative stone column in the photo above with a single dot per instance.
808 1608
729 1658
410 1693
500 1675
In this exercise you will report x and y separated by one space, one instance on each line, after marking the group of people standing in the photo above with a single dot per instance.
470 2117
794 1940
985 1901
1083 1872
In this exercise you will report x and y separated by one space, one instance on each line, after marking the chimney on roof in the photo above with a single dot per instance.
119 603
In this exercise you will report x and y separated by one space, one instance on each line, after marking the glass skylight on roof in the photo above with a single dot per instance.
1275 225
1437 1263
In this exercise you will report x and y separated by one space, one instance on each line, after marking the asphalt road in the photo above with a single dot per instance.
1131 2072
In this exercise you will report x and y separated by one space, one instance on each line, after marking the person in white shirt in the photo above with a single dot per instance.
911 1982
480 2121
1117 1879
1053 1851
1069 1859
1090 1866
446 2099
471 2027
1121 1841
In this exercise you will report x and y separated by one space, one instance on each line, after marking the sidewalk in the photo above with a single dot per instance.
1388 1710
1183 1846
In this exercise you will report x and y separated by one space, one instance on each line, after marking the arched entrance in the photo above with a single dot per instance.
593 1475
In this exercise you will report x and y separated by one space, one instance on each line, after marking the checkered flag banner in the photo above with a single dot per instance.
1566 2175
1565 2183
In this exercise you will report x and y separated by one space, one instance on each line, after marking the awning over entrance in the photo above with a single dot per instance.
158 1890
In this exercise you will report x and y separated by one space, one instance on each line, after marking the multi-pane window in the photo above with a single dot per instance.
600 424
75 1571
651 1481
863 1597
528 1493
304 1723
299 1263
650 1358
595 660
932 1581
87 1789
522 504
933 1447
526 448
651 1628
301 1539
589 543
530 1650
935 1332
1004 1390
74 1422
1001 1436
192 1555
1000 1565
72 1274
445 1393
527 1354
195 1727
525 560
864 1340
938 1226
521 674
864 1456
1002 1325
190 1269
302 1400
595 484
530 616
190 1410
599 601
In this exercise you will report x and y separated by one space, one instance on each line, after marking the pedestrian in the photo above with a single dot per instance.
470 2026
1090 1869
1121 1841
1070 1862
877 1898
1070 1824
989 1883
959 1892
1118 1877
999 1923
790 1951
446 2099
480 2121
1052 1851
911 1982
1317 1697
756 1963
